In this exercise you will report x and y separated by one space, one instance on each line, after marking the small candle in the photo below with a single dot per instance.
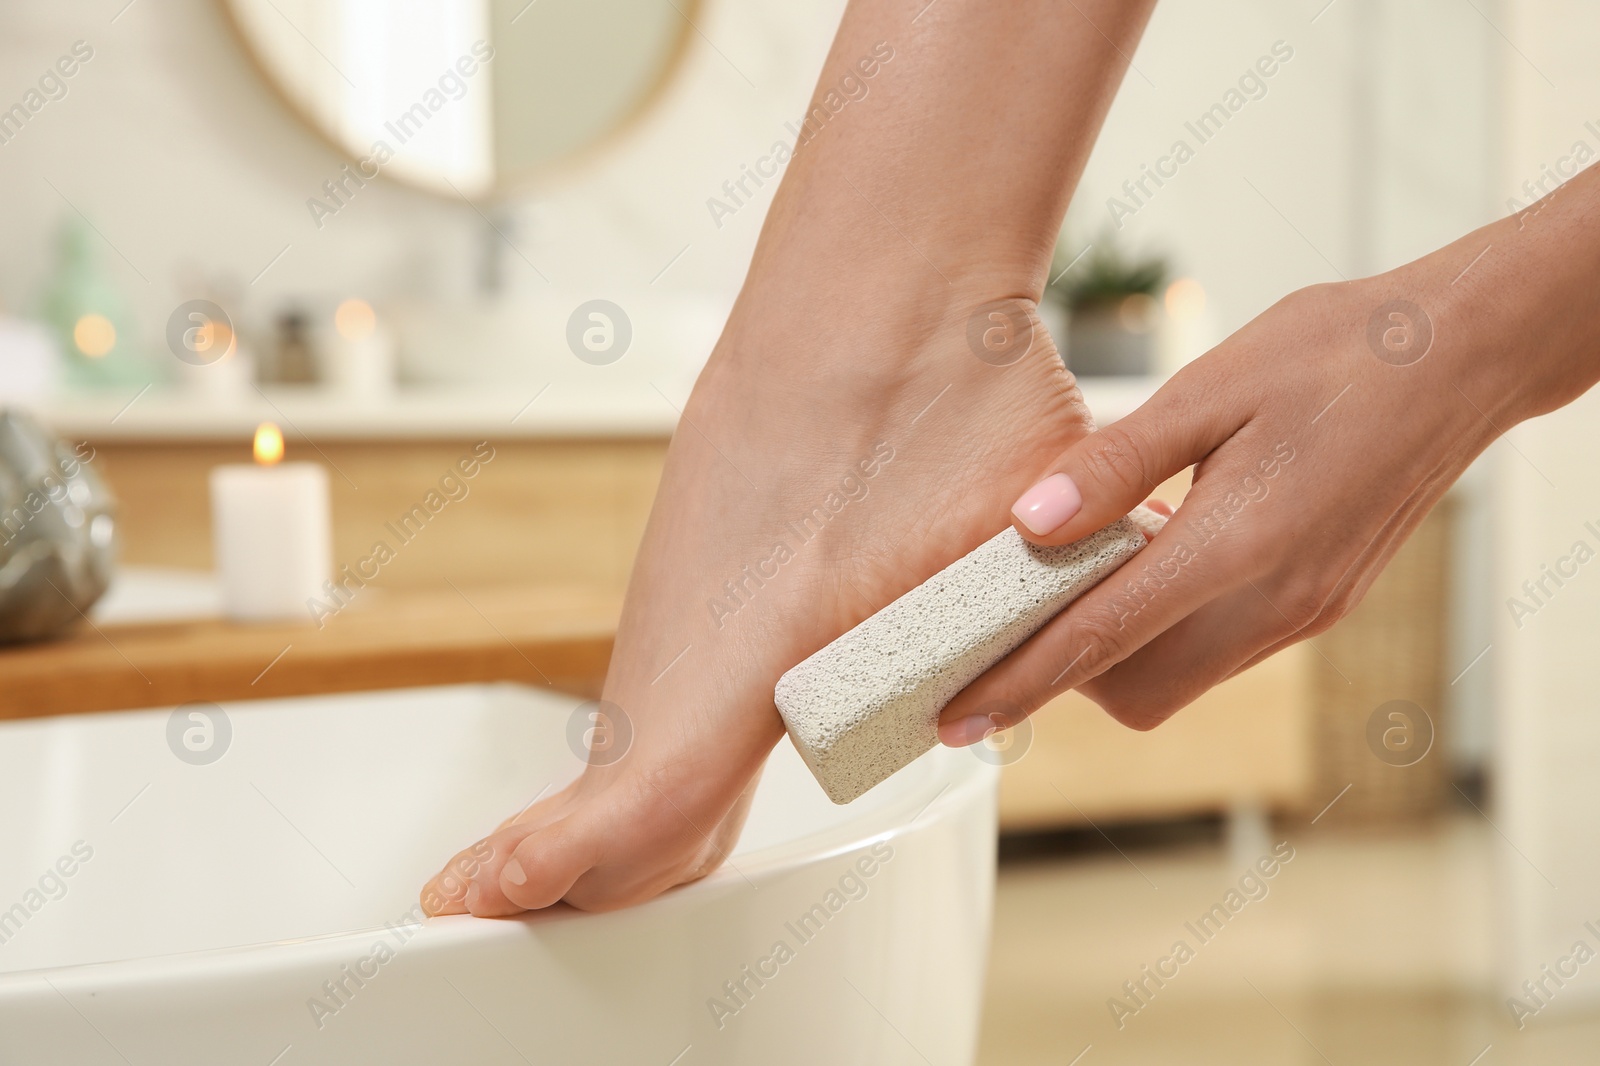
270 529
1187 332
222 378
360 359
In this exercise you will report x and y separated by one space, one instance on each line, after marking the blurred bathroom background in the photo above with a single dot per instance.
541 255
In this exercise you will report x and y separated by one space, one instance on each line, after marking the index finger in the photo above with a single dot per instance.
1201 552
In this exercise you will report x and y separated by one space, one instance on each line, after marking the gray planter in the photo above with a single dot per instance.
57 531
1102 343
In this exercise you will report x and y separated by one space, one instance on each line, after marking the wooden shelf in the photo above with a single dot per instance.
384 639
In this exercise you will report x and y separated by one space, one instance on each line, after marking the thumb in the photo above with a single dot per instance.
1111 471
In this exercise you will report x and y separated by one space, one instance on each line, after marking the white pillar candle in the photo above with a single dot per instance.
271 533
360 356
1188 331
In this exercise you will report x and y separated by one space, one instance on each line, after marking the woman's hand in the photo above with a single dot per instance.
1321 435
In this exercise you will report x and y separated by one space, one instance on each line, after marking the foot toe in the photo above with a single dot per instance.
544 865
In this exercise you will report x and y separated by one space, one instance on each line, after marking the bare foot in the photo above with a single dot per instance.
836 452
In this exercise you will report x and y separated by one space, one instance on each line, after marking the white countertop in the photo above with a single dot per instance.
158 594
173 415
559 411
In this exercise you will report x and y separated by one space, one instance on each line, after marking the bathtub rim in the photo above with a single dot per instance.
961 774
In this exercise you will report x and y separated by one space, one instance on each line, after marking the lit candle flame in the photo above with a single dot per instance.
1185 299
94 335
209 336
269 444
355 320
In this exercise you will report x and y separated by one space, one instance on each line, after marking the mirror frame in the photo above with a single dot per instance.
506 186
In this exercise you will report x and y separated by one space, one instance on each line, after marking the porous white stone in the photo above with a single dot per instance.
868 704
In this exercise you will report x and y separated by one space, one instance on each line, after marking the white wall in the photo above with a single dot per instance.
169 145
172 145
1548 752
1368 149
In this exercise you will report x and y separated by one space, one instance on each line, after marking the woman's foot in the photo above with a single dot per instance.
836 452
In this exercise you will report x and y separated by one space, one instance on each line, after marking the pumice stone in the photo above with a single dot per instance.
868 703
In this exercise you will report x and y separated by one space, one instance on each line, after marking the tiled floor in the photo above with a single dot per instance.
1364 950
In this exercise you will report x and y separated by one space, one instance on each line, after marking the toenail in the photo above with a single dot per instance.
514 873
473 894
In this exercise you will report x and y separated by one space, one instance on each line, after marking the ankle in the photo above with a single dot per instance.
855 337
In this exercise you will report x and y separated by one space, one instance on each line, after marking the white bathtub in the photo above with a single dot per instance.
258 909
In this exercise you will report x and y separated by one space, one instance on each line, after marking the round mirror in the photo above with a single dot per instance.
466 97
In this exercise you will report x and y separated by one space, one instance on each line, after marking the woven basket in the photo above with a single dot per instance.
1390 648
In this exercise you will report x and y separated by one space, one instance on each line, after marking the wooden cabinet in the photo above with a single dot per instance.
1247 741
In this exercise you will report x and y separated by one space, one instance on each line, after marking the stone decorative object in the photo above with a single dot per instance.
868 704
57 530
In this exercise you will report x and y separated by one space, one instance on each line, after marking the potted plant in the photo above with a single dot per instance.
1110 302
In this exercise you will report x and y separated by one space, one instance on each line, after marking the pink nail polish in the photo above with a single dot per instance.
965 732
1048 506
513 872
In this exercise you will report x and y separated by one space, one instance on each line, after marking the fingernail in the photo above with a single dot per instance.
473 894
1048 506
513 872
964 732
